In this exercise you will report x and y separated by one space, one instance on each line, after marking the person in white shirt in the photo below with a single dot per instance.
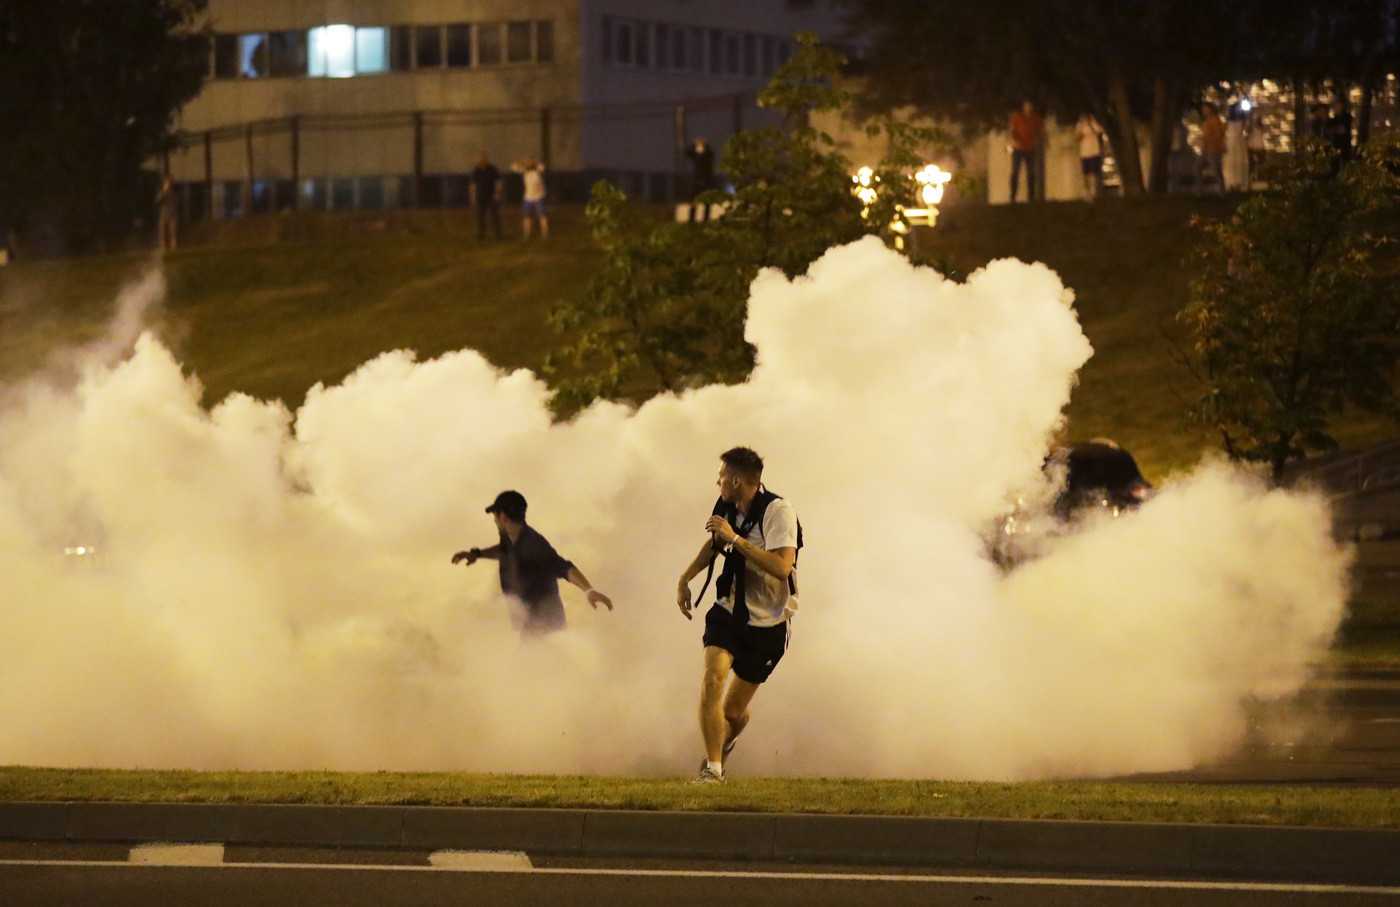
748 629
1090 136
532 204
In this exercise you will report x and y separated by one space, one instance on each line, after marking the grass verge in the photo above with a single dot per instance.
1071 800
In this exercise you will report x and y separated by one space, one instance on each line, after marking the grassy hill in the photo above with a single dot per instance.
270 306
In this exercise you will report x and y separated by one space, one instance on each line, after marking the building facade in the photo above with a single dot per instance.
344 104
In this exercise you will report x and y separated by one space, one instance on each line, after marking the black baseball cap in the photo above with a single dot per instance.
509 503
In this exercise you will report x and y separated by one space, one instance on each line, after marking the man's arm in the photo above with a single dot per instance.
707 554
595 598
470 557
777 562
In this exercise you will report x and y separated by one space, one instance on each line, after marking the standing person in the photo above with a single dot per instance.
702 173
1090 154
1212 161
486 195
1254 141
1027 128
748 628
167 217
532 205
530 569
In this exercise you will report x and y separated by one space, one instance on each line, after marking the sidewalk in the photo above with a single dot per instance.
1240 852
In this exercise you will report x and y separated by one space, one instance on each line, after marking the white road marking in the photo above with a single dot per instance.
162 854
1075 882
480 860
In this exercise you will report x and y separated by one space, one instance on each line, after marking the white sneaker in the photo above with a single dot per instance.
708 776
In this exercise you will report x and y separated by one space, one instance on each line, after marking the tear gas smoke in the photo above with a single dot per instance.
273 590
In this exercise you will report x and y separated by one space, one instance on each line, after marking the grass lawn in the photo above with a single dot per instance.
281 304
1081 800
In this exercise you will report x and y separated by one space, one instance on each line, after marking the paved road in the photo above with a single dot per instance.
116 884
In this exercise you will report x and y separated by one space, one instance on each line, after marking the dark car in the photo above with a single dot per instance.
1087 477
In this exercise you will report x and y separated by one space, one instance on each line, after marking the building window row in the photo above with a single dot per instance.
637 44
339 51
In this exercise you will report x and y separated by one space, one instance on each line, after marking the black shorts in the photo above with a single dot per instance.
756 650
1092 166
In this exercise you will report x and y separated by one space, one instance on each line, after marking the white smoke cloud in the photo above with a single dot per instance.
273 590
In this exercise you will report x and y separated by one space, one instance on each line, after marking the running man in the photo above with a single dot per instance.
530 568
747 630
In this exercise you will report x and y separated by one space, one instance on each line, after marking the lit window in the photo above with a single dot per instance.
332 51
371 50
252 55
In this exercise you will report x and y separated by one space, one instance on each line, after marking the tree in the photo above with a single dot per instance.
1294 317
666 309
1129 62
89 90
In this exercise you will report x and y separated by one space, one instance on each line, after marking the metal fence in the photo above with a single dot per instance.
423 158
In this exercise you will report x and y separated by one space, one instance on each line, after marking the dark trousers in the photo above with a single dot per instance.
1031 160
483 207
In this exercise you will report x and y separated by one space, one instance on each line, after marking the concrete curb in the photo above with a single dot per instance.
1232 851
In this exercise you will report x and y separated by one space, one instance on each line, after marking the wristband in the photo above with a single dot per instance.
475 552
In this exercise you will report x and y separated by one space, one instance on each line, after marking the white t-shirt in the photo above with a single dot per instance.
768 598
534 184
1090 143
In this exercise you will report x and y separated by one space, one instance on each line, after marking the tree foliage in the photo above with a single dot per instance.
666 309
1295 316
1129 62
88 89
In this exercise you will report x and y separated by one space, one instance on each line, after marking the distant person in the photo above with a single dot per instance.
532 205
1181 161
747 630
1236 165
1027 132
530 569
167 216
1254 142
486 195
702 174
1212 162
1090 136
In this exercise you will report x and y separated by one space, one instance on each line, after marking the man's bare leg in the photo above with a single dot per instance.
714 727
736 708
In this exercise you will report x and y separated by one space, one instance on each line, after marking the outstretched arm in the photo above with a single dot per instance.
473 555
595 598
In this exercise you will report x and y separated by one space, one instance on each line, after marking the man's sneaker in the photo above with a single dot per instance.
708 776
728 748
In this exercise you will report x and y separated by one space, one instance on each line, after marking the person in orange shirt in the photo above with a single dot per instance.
1027 129
1212 160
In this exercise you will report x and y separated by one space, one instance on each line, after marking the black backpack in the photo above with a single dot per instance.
733 571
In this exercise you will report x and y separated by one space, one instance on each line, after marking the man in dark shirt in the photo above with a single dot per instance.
530 568
486 195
